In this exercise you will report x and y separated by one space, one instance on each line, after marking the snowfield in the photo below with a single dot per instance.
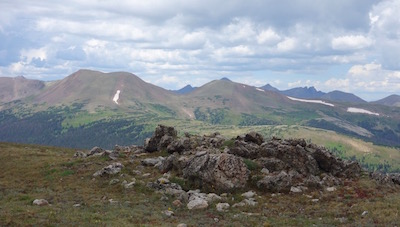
358 110
116 96
259 89
311 101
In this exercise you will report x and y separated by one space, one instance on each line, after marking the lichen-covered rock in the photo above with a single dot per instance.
96 151
161 138
337 167
112 169
219 171
40 202
254 137
245 150
281 182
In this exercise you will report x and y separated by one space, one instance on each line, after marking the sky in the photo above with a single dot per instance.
347 45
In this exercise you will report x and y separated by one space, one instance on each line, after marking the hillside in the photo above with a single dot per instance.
339 96
392 100
187 89
125 186
18 88
99 89
90 107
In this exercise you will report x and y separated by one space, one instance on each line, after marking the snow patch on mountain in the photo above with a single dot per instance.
359 110
311 101
116 97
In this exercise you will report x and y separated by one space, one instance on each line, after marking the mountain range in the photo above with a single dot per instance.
93 108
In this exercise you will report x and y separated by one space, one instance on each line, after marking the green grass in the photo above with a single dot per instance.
31 172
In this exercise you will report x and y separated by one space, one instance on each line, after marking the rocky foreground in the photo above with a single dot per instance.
193 180
213 166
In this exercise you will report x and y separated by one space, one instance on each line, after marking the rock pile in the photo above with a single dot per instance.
278 165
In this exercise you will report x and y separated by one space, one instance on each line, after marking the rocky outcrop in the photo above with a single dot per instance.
285 164
386 178
219 171
161 138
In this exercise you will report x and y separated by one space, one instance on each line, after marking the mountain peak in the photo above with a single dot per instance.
225 79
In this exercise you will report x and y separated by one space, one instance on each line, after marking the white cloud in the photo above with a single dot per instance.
268 37
288 44
351 42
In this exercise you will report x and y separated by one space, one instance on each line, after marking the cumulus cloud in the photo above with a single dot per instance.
351 42
197 41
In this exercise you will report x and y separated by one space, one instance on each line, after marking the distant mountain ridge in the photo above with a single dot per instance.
187 89
119 106
392 100
312 93
18 88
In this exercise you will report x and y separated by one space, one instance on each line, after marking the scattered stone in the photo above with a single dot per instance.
314 200
249 194
168 213
276 183
80 154
112 169
331 189
181 225
40 202
222 207
295 189
152 161
246 202
364 213
96 151
77 205
163 180
129 185
197 203
264 171
216 220
137 172
177 203
114 181
146 175
212 197
112 202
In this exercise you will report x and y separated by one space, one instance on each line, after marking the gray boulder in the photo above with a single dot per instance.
219 171
112 169
281 182
161 138
254 137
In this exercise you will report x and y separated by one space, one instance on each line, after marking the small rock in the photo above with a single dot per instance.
331 189
146 175
249 194
113 202
40 202
112 169
295 189
163 180
129 185
152 161
216 219
168 213
314 200
197 203
264 171
364 213
181 225
211 197
222 206
177 203
224 195
77 205
114 181
136 172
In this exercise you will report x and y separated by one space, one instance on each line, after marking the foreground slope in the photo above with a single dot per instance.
77 197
